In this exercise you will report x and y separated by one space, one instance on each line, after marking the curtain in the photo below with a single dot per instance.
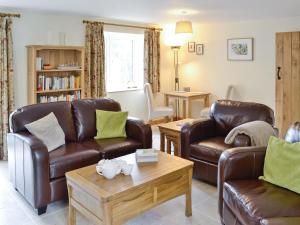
152 59
94 61
6 81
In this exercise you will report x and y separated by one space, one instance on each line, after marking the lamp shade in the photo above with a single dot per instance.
184 27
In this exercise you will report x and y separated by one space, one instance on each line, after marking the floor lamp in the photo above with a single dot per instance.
182 27
175 51
176 65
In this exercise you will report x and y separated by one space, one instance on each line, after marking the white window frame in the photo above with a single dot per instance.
138 54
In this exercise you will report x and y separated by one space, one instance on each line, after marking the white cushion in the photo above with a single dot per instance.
48 130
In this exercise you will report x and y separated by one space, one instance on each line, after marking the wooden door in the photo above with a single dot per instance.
287 80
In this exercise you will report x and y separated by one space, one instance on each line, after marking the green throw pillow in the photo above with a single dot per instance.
282 164
110 124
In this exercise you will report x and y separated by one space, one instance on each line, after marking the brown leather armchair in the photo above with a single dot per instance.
246 200
39 175
203 142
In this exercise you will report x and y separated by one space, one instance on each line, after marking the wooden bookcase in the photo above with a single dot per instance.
60 79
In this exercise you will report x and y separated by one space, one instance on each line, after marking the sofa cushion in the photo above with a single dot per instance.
48 130
113 147
30 113
110 124
229 114
69 157
254 200
281 221
85 115
209 149
281 165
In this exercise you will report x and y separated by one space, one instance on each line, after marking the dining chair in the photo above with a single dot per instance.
156 112
228 96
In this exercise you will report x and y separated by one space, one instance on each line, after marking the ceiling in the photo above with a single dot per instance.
162 11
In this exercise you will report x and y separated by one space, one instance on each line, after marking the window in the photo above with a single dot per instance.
124 61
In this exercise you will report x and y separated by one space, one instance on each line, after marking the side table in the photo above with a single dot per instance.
170 133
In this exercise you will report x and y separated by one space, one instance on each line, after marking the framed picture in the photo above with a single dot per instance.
240 49
191 46
199 49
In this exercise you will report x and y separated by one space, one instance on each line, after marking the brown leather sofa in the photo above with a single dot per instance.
203 142
40 176
245 200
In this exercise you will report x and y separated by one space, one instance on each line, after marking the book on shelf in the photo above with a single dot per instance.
57 82
62 97
146 155
38 63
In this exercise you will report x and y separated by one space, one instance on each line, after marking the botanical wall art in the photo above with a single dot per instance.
240 49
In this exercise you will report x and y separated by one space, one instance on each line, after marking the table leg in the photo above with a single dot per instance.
166 100
72 210
178 139
108 214
188 195
175 144
188 108
162 142
168 145
72 215
206 101
184 108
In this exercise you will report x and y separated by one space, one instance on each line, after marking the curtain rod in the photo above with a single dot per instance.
122 25
10 15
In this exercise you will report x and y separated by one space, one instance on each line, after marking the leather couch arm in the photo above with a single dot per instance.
138 130
242 140
29 167
196 131
237 164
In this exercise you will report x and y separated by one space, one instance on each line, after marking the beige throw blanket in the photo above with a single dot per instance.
258 131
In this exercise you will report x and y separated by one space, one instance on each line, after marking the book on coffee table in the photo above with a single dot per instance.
146 155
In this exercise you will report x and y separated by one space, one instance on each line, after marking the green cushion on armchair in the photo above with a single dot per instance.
282 164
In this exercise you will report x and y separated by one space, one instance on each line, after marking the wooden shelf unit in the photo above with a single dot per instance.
57 70
58 90
53 55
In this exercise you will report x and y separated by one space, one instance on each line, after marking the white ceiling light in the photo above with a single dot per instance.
184 27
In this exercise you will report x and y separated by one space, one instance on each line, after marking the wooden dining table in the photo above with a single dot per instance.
187 98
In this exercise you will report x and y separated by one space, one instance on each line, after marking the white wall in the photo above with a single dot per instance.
254 81
36 28
212 72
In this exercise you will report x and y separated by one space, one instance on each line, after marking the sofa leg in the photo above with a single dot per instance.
41 210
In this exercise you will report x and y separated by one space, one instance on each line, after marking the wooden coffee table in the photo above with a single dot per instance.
113 202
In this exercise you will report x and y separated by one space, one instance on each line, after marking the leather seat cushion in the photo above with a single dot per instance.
210 149
254 200
69 157
113 147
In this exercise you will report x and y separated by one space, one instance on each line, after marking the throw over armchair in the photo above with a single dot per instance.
244 199
203 142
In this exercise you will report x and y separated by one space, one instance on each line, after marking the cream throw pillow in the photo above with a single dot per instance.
48 130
